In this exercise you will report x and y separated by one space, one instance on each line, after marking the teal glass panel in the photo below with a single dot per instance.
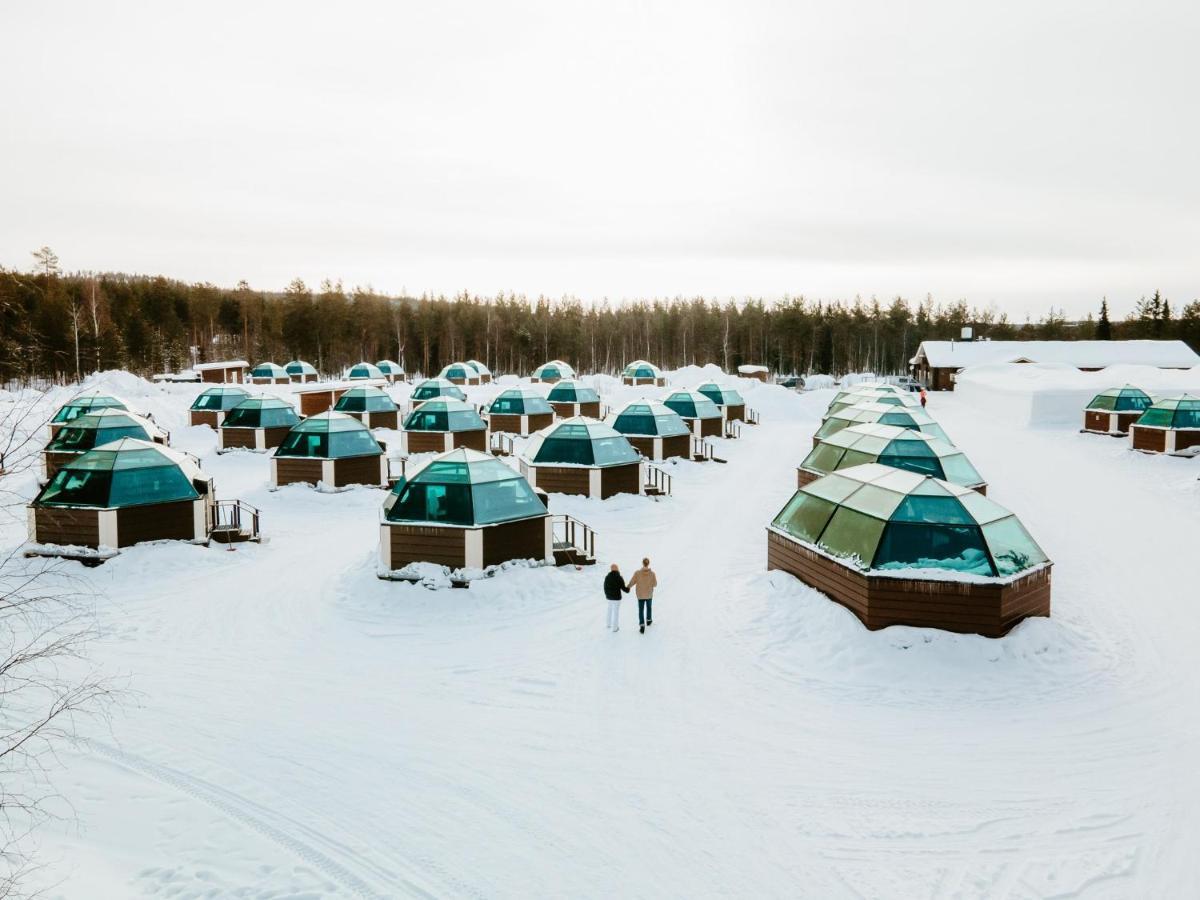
612 451
78 487
958 469
420 502
157 484
922 465
502 501
823 458
958 548
852 534
944 509
805 516
1012 547
874 501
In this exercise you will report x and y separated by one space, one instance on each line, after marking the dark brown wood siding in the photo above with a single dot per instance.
710 427
679 445
505 422
620 480
562 479
803 477
64 525
643 445
525 539
357 470
426 441
591 408
735 411
428 543
474 440
157 522
1153 440
293 470
203 417
986 609
274 436
1095 421
237 437
1125 419
232 375
314 402
1186 439
538 421
387 419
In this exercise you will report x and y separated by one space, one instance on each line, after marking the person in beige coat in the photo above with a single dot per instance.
643 583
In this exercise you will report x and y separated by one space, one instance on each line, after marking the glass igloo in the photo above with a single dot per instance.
553 371
436 387
485 374
257 423
519 410
641 372
94 429
1170 425
897 547
370 405
460 373
891 445
392 371
210 407
879 396
698 411
654 429
364 371
84 403
88 501
582 456
300 371
1113 411
463 509
443 424
867 413
269 373
330 448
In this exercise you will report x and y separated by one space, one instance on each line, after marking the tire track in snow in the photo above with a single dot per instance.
256 817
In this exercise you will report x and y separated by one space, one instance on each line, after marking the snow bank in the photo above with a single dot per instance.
1029 394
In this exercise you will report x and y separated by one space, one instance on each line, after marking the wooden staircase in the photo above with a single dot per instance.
574 542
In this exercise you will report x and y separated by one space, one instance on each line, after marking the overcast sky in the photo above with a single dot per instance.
1023 153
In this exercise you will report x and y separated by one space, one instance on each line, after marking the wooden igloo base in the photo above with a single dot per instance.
990 610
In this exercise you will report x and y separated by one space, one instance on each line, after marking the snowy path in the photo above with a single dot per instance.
307 730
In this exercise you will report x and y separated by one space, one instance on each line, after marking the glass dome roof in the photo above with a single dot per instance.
388 367
869 386
479 367
866 413
77 406
122 473
890 445
648 418
459 370
222 397
719 395
556 368
444 414
580 441
692 405
1181 411
874 517
268 370
364 370
462 487
299 367
365 398
329 435
639 368
572 390
520 401
1122 399
103 426
437 387
886 398
261 412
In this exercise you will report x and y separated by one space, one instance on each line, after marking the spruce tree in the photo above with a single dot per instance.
1103 325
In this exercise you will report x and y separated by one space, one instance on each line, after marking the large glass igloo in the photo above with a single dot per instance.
1170 425
519 410
571 397
867 413
370 405
436 387
582 456
554 371
443 424
655 430
891 445
329 448
210 406
1113 411
702 416
897 547
257 423
94 429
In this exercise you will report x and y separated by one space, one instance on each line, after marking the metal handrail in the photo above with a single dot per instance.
701 448
733 430
572 530
234 515
659 479
751 416
391 461
502 444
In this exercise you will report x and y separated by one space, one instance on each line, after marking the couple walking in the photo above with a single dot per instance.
643 583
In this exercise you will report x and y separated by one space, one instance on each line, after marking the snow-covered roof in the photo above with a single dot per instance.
749 370
226 364
1082 354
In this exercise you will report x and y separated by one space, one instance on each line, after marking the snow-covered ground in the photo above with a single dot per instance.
301 729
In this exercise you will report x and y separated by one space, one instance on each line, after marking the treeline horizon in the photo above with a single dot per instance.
59 327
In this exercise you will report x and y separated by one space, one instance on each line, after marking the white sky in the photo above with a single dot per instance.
1022 153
